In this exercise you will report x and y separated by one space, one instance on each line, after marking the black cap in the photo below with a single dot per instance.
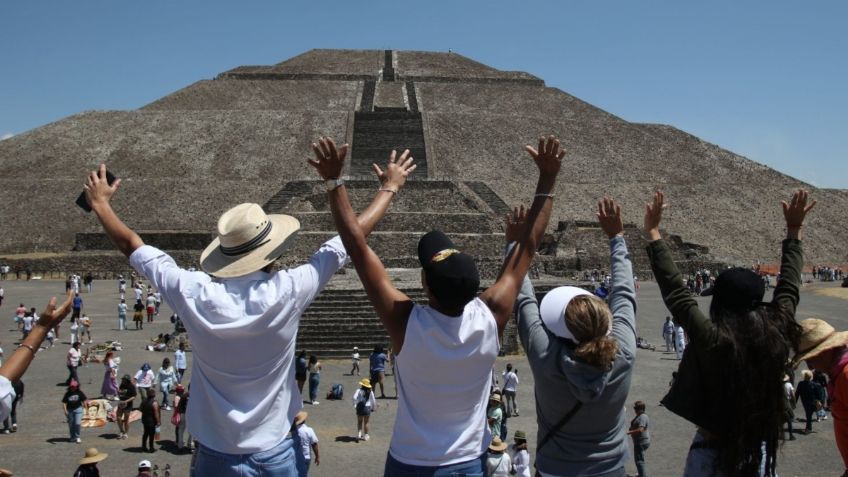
451 275
737 290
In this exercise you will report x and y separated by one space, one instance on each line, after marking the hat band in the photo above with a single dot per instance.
803 352
440 256
250 245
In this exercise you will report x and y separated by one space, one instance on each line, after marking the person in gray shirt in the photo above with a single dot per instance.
641 434
581 352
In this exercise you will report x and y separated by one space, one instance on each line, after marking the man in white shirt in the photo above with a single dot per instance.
510 386
242 318
444 352
308 442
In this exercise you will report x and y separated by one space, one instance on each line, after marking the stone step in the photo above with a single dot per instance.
411 222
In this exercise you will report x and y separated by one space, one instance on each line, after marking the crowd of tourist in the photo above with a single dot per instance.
247 381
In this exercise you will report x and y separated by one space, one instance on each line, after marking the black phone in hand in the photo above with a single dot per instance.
82 202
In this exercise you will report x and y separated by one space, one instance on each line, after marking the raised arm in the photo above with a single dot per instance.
392 305
787 290
501 296
677 299
17 364
622 297
98 192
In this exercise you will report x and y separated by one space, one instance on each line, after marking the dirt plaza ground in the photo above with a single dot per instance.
41 448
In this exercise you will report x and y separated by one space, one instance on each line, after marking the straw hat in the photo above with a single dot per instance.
817 337
495 397
300 418
92 456
497 445
365 383
248 240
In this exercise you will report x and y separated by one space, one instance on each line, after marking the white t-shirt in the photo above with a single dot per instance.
243 391
498 465
370 401
137 292
73 357
180 359
307 438
144 380
443 374
520 461
510 381
28 323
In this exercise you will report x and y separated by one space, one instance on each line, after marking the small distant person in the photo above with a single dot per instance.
364 404
72 362
510 387
679 341
308 443
498 463
355 362
88 281
77 309
377 367
180 361
314 369
138 315
84 328
88 464
74 403
301 365
126 396
145 469
668 334
641 434
519 454
150 420
122 315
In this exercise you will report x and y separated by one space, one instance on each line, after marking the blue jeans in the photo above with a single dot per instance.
74 422
639 458
472 468
279 461
314 379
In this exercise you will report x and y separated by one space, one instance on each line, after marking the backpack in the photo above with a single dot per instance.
336 391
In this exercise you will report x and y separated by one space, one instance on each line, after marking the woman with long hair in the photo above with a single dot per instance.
729 382
581 351
109 389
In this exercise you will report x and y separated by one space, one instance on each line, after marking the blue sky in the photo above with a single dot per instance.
768 80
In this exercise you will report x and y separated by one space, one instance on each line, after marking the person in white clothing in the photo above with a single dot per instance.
444 351
364 403
180 361
498 463
510 386
519 455
242 317
679 341
308 443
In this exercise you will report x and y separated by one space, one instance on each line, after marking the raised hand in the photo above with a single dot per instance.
514 223
97 188
52 316
653 216
396 172
796 210
609 216
329 160
549 155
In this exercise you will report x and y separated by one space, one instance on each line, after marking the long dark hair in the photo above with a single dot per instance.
756 345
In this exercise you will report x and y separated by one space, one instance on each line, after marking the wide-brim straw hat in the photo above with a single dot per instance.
92 456
495 397
497 445
248 240
365 383
817 337
300 417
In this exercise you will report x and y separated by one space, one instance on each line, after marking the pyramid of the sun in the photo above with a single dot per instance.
244 137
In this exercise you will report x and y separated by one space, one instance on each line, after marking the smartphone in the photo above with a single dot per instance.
82 202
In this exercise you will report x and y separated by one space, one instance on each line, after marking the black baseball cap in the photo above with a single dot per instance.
737 290
451 275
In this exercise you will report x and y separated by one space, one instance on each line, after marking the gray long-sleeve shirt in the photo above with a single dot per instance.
593 442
